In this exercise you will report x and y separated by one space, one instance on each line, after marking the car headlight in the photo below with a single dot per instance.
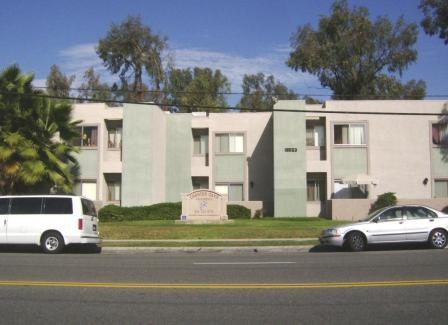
333 232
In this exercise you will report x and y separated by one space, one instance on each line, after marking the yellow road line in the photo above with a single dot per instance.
321 285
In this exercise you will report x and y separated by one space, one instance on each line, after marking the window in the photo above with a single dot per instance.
420 213
88 208
114 137
200 144
87 189
229 143
58 205
349 191
315 190
441 188
350 134
315 134
113 190
393 214
199 183
316 185
26 205
88 137
234 192
4 206
440 134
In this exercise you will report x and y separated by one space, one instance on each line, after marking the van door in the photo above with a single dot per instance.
90 218
4 209
24 220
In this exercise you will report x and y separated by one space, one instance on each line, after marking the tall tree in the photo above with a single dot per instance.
201 87
436 18
261 92
92 88
129 49
31 159
58 84
352 55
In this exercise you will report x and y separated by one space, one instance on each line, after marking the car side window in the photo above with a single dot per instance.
391 215
419 213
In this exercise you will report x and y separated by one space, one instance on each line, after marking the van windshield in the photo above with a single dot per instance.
88 208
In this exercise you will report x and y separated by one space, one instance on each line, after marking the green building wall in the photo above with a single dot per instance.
289 137
349 161
144 143
178 156
156 155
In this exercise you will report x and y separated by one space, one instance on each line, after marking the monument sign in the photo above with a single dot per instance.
204 206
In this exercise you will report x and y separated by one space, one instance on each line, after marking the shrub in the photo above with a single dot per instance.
235 211
384 200
160 211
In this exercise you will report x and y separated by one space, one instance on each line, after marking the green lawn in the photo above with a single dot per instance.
284 228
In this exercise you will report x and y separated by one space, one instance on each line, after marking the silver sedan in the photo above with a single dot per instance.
396 224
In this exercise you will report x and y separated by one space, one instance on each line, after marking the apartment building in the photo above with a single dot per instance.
298 160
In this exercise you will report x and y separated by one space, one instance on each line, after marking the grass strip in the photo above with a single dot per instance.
266 228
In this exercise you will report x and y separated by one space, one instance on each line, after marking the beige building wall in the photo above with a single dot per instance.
101 159
257 169
398 150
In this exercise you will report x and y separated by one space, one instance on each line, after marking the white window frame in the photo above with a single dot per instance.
223 189
351 133
84 140
117 135
235 142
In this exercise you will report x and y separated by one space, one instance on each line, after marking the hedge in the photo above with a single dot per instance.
160 211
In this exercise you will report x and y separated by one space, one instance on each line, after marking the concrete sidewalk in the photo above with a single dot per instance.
205 240
242 249
211 249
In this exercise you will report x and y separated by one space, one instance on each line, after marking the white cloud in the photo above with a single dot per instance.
236 66
77 59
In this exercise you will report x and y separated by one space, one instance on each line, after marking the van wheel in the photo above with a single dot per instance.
52 243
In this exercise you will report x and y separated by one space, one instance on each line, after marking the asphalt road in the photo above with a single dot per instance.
393 286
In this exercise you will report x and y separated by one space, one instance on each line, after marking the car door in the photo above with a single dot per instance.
387 227
419 223
4 208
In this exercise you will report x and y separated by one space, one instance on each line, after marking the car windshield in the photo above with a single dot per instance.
372 215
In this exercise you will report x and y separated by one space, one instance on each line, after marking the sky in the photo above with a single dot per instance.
236 36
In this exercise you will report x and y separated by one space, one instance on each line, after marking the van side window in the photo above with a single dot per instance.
88 208
58 205
26 205
4 205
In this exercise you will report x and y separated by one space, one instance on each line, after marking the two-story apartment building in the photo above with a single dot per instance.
298 160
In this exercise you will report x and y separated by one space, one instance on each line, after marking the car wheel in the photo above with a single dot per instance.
356 242
438 238
52 242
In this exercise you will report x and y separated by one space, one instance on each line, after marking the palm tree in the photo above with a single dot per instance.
35 133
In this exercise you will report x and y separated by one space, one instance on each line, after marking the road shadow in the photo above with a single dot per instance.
34 249
377 247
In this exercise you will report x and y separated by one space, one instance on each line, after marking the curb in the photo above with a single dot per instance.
190 250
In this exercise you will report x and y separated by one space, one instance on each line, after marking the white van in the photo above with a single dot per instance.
50 221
